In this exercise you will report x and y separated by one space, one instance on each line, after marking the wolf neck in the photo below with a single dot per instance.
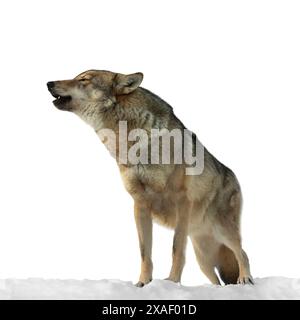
141 109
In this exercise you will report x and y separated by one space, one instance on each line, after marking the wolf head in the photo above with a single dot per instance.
92 92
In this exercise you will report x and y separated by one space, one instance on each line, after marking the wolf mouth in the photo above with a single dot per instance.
60 99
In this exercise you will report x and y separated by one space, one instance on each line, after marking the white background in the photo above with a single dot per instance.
230 69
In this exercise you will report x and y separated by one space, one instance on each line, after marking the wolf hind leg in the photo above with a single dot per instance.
205 255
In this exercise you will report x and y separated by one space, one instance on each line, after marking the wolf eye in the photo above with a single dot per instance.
82 79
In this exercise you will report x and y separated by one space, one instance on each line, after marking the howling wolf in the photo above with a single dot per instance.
205 206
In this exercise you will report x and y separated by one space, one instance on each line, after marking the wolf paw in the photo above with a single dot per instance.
140 284
172 279
245 280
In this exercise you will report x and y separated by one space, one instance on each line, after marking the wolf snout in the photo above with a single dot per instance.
50 85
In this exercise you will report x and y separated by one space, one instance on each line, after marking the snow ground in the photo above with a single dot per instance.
264 288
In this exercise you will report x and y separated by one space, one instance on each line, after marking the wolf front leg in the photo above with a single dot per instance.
143 222
180 239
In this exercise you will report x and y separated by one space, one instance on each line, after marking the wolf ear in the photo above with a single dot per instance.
125 84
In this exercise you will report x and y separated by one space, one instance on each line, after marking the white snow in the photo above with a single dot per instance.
35 288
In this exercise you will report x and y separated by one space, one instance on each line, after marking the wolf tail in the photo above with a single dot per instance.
227 265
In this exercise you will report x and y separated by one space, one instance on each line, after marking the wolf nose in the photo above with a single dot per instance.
50 85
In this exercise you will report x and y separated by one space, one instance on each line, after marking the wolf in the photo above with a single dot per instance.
205 207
